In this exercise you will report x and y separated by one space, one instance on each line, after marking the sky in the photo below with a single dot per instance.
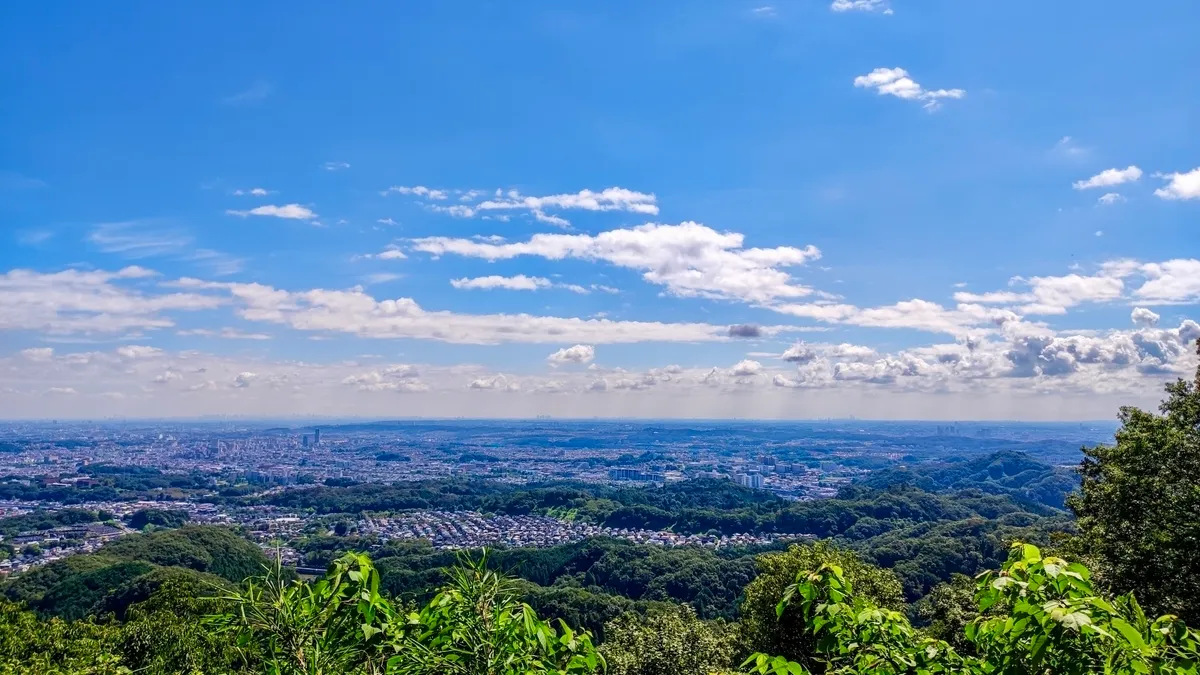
888 209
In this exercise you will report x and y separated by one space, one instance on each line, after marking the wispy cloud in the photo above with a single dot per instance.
218 263
257 92
764 12
139 238
381 277
860 6
336 166
11 180
254 192
33 237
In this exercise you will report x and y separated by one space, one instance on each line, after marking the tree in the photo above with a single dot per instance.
670 642
1139 504
158 518
788 634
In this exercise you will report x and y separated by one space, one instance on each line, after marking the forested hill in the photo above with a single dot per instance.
132 568
1011 473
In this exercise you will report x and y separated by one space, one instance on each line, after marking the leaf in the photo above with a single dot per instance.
1128 632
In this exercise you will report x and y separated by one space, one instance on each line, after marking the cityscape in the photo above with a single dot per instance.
221 473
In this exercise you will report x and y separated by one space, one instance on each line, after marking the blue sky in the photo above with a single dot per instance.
922 209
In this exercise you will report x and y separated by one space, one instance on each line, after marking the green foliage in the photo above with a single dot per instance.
139 519
55 647
670 642
1139 504
1053 622
46 520
342 624
112 579
790 634
204 548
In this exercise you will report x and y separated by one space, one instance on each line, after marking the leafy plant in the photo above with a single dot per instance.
1055 623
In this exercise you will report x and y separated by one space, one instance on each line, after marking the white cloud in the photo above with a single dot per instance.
764 11
1052 295
799 353
1170 282
1067 146
336 166
244 379
896 82
289 211
494 383
387 221
75 301
139 238
381 277
519 282
1143 317
1110 198
456 210
1109 178
136 352
255 192
226 333
390 253
418 190
860 6
609 199
746 368
353 311
1180 185
579 354
690 259
38 353
62 391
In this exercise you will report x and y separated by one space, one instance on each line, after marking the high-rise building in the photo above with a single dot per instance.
316 436
304 441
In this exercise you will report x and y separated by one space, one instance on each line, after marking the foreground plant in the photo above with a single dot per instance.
1055 623
341 624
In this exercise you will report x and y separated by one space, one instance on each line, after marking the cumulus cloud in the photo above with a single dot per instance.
690 259
1180 185
745 330
799 353
1170 282
519 282
579 354
1110 198
244 379
896 82
746 368
495 383
288 211
1109 178
1143 317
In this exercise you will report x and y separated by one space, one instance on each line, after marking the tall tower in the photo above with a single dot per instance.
316 437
